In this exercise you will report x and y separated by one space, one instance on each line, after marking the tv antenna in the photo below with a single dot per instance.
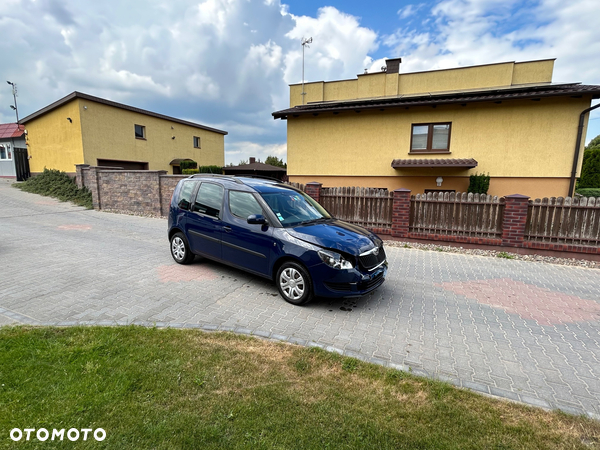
14 93
305 43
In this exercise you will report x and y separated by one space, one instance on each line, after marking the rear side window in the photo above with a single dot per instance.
243 204
185 194
209 199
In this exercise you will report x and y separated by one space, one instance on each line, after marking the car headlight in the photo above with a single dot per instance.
334 260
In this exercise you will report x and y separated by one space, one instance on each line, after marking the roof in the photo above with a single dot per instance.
457 163
491 95
103 101
258 166
11 130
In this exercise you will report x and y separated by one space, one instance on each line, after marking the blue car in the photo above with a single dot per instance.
275 231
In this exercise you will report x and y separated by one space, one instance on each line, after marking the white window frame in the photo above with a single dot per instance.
9 152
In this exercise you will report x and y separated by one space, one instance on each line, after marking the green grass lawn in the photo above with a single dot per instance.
171 389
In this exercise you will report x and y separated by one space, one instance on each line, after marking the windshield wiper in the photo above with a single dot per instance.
320 219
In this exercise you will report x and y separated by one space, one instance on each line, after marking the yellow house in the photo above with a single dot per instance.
83 129
429 131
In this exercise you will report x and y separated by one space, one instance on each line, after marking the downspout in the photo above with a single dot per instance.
578 147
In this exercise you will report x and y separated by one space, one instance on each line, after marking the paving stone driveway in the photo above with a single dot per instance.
520 330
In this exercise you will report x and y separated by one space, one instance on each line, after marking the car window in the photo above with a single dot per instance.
185 194
292 207
243 204
209 199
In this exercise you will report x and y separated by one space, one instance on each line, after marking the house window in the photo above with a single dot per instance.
140 132
5 152
196 142
430 137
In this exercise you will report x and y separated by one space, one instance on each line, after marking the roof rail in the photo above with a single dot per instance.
217 175
262 177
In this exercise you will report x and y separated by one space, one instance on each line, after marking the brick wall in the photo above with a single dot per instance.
167 186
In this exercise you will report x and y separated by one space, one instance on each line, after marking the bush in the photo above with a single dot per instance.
589 192
189 171
210 169
479 184
188 165
57 184
590 169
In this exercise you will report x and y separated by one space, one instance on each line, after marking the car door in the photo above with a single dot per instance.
246 245
204 224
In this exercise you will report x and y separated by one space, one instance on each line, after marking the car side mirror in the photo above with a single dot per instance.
256 219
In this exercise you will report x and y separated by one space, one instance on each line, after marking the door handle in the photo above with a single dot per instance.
227 229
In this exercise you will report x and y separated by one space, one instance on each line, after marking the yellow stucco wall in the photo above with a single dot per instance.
54 142
516 139
101 131
108 133
533 187
461 78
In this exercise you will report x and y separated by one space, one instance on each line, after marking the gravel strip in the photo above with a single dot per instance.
496 254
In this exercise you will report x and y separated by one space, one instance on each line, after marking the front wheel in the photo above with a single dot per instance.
180 250
294 283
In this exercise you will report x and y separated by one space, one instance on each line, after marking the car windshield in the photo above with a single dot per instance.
294 208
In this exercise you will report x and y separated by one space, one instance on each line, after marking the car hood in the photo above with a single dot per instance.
336 234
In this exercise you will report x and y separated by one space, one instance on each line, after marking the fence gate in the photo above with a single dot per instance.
21 164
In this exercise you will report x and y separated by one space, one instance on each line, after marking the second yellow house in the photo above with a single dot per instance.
83 129
429 131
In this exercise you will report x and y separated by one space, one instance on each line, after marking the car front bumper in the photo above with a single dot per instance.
329 282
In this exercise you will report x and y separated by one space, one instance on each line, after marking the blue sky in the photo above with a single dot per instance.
228 63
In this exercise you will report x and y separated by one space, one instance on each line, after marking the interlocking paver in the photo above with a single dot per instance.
520 330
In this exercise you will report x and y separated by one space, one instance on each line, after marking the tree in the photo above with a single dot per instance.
590 168
594 143
275 161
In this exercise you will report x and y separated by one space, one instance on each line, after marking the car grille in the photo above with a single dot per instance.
372 260
344 287
374 282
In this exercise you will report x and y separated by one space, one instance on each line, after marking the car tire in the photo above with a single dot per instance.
294 283
180 250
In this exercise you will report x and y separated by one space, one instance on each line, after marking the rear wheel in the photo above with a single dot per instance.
294 283
180 250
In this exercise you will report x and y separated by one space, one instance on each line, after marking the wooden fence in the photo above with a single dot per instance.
564 220
474 215
367 207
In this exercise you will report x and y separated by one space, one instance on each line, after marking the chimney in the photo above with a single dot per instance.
252 160
393 65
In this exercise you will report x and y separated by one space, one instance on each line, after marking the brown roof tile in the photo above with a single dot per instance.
449 162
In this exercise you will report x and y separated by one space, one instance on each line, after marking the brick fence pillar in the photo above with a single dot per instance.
314 190
401 213
79 174
94 186
514 220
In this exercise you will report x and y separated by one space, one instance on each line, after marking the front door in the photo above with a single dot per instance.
246 245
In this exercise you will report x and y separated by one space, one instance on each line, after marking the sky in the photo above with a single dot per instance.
227 64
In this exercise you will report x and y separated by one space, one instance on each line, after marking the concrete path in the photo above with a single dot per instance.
519 330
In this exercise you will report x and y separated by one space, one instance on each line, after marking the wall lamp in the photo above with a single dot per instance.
69 119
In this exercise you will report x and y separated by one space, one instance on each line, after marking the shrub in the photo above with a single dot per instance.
189 171
57 184
210 169
479 183
590 169
589 192
188 165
